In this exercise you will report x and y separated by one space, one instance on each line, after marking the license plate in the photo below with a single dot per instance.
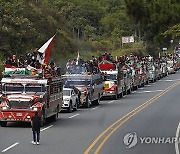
19 114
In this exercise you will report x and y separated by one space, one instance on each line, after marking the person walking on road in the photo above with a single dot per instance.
36 123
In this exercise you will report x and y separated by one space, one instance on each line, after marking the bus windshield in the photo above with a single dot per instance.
66 92
71 84
12 87
19 88
35 88
111 77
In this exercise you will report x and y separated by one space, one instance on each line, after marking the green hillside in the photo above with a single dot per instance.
91 26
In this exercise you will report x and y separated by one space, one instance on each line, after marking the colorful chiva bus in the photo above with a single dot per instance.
22 96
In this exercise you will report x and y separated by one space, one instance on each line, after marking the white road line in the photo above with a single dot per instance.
124 95
82 109
73 116
167 80
148 85
141 88
10 147
110 102
133 92
148 91
46 128
95 108
177 136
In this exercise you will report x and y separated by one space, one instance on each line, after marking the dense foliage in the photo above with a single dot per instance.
91 25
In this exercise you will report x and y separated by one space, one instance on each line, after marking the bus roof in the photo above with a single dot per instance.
81 76
24 81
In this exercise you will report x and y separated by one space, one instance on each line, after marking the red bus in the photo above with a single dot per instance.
25 94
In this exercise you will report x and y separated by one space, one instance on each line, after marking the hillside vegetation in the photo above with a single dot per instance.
91 26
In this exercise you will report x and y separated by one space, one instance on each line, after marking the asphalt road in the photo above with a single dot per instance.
74 133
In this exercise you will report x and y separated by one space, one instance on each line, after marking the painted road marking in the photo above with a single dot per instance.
177 136
141 88
46 128
10 147
167 80
73 116
95 108
107 133
148 85
82 109
110 102
149 91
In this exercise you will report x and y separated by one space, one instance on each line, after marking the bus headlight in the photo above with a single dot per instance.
4 108
34 108
67 99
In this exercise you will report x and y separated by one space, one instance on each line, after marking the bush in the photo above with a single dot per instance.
103 45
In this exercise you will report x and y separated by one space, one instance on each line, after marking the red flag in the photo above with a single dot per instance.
45 51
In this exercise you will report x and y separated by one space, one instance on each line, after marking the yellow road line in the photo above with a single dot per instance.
125 118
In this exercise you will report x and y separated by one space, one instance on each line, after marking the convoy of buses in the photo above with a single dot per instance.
23 94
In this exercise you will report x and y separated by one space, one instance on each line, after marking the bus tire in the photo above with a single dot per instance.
75 106
43 119
98 100
57 114
3 123
70 108
88 102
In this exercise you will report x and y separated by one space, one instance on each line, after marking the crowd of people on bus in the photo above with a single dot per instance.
23 61
30 61
81 66
132 61
78 65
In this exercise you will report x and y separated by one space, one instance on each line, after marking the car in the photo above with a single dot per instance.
70 100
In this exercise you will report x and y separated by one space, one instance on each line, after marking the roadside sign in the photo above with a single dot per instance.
164 49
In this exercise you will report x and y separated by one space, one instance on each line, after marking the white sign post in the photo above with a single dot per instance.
127 39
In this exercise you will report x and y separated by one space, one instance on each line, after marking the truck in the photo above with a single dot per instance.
127 79
152 72
22 95
114 84
164 68
89 85
145 74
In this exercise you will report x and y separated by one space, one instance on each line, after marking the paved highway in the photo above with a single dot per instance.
151 111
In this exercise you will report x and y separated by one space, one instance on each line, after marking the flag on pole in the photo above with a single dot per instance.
77 59
45 51
159 55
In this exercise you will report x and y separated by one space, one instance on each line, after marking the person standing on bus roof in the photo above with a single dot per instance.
36 124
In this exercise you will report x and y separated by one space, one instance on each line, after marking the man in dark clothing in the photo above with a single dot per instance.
36 123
